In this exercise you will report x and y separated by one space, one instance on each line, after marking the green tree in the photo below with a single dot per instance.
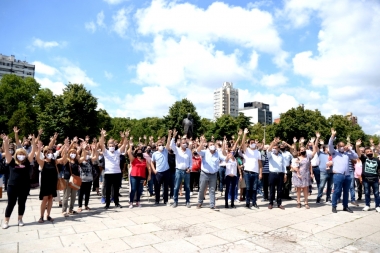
224 126
177 112
206 125
345 128
243 121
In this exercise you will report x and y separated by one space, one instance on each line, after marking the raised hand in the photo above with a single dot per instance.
321 142
139 139
240 132
175 133
87 138
144 137
318 135
233 137
246 131
312 139
16 130
348 138
212 137
122 134
358 142
126 133
333 132
302 140
294 139
131 138
40 131
371 141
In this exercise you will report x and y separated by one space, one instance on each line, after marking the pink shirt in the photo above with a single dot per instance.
358 169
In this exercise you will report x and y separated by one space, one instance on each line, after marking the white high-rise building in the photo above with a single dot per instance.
9 65
226 100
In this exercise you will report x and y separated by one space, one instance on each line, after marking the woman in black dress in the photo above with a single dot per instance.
49 178
19 180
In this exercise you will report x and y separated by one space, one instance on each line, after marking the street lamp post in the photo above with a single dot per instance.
265 122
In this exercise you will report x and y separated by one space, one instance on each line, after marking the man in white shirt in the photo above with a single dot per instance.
314 163
184 162
277 173
288 184
112 172
253 170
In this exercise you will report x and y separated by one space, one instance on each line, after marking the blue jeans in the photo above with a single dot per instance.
251 182
326 178
136 184
179 176
341 182
222 175
151 182
317 175
230 186
352 186
367 191
172 184
235 189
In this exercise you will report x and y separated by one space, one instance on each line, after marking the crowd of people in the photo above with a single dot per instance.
241 169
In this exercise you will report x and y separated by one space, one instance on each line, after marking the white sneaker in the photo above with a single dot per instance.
130 206
138 205
366 208
378 209
20 223
5 225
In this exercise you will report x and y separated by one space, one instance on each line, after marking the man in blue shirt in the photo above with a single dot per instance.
326 175
160 168
341 177
209 169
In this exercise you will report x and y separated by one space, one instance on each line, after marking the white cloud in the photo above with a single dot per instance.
74 74
44 69
100 19
45 44
108 75
274 80
114 2
121 23
90 26
249 28
56 87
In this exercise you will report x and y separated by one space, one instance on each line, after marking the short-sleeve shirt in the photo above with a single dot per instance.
251 158
161 160
111 162
138 168
371 167
19 173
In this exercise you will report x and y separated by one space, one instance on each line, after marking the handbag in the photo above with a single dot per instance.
75 181
61 183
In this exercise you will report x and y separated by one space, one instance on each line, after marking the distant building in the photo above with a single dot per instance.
9 65
277 121
226 101
353 119
259 112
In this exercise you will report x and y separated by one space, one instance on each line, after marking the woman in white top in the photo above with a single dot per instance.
230 180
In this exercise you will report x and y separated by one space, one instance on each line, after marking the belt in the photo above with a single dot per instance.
223 166
181 169
276 172
315 166
344 174
208 173
250 172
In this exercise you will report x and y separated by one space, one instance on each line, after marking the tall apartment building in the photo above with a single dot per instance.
258 111
226 100
9 65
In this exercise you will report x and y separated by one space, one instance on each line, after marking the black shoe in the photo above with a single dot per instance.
255 206
318 201
226 206
347 209
334 210
248 206
233 206
156 203
120 195
106 207
119 206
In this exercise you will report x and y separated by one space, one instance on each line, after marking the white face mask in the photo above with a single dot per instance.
253 145
72 156
160 148
274 151
341 149
21 157
184 145
212 147
112 149
11 151
87 157
49 156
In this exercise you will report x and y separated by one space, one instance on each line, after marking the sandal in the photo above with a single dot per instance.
65 214
49 218
79 210
72 212
298 205
307 206
87 208
41 220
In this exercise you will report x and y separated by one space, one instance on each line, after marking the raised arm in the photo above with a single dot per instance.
131 157
101 140
358 151
38 156
8 156
53 140
94 151
331 141
31 154
125 140
202 141
40 132
169 139
172 141
243 144
16 130
237 140
315 148
84 152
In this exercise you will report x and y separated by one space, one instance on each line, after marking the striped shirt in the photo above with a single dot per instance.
265 163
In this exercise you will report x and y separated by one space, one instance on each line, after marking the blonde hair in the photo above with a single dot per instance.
73 150
17 152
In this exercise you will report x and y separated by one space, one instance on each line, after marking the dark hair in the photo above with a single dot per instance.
366 148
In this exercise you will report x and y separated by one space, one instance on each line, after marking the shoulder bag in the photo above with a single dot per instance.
75 181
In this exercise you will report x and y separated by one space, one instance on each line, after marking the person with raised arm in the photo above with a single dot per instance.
184 163
341 177
160 168
19 180
253 170
112 172
49 178
209 169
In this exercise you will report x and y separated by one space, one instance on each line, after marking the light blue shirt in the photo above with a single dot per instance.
276 162
323 159
210 162
287 157
161 159
341 160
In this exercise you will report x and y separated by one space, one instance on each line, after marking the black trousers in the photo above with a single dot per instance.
112 180
360 188
265 180
194 178
162 178
85 189
230 184
276 180
19 195
96 179
288 184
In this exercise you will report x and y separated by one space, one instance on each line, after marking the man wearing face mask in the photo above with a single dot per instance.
277 173
209 169
184 163
288 160
370 176
160 168
112 172
341 177
253 170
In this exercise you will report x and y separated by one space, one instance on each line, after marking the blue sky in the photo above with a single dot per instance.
139 57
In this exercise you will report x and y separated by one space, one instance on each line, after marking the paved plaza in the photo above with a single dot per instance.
167 229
